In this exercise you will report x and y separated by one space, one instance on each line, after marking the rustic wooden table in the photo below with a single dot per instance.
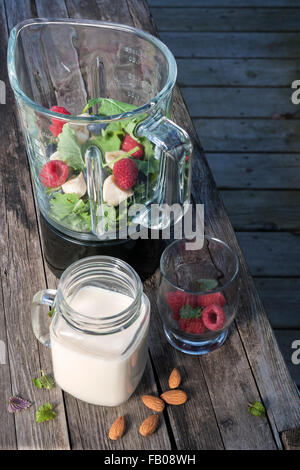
220 385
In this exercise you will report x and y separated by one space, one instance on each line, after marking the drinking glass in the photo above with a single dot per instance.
198 294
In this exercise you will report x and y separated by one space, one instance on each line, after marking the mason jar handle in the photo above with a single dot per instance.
176 144
39 319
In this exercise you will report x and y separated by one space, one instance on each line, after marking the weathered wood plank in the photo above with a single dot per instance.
226 19
98 10
233 45
249 135
263 210
236 425
271 253
53 9
224 3
44 94
281 299
237 72
24 275
289 342
70 88
256 171
207 102
14 14
8 439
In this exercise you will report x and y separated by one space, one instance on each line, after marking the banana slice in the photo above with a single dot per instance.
75 185
111 156
82 136
112 194
81 130
55 156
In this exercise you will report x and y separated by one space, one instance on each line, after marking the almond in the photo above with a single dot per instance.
149 425
117 428
154 403
174 397
174 379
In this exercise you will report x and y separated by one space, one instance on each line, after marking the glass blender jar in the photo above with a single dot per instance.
94 100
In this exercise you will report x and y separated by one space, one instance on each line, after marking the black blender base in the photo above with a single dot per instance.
60 251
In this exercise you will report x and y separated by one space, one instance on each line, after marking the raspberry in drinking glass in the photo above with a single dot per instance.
176 300
209 299
192 325
213 317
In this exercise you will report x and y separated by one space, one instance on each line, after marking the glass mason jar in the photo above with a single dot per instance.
198 294
74 150
99 356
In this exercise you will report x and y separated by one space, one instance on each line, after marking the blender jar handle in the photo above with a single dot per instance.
177 146
39 319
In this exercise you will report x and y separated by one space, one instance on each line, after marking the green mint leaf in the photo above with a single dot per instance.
148 147
81 222
45 381
91 103
69 149
37 383
45 413
110 107
207 284
62 205
189 312
257 409
73 211
109 141
148 166
51 312
114 132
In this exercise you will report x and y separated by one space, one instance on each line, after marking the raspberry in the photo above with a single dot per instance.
183 323
125 172
176 300
192 300
129 143
209 299
54 173
57 125
213 317
192 325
